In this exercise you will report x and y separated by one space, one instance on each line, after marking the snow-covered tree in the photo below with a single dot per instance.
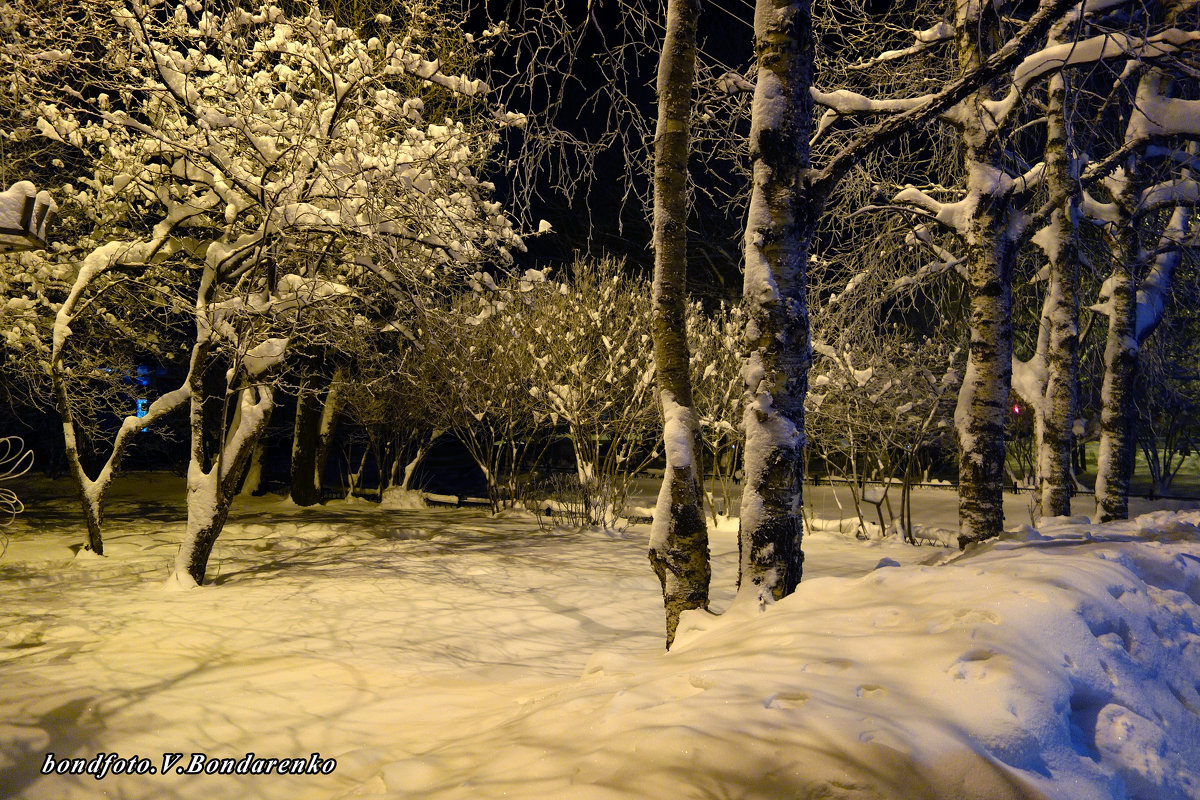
287 163
1092 176
679 539
987 216
787 197
1145 254
1048 380
784 208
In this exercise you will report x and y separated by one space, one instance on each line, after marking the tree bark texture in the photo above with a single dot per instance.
1118 415
210 492
784 208
1060 404
306 436
219 449
983 400
331 412
679 539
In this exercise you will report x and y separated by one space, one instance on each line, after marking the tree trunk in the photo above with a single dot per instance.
316 423
252 483
331 413
91 496
92 492
679 538
208 509
1057 411
211 491
410 467
306 436
983 399
784 208
1118 418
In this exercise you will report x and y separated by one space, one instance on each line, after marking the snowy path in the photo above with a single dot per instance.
442 653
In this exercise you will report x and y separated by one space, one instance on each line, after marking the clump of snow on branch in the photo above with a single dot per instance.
26 212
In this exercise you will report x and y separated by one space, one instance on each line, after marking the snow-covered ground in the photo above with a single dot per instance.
442 653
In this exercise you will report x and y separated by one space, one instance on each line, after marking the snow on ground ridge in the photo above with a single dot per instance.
440 653
1023 670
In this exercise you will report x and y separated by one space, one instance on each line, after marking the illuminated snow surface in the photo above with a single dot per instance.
441 653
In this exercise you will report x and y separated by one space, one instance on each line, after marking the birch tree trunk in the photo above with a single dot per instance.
1147 299
1129 326
679 538
1118 418
983 400
1056 415
784 208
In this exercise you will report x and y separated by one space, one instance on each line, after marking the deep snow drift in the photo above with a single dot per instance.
441 653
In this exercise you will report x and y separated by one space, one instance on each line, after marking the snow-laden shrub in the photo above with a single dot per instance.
871 411
715 343
592 378
469 370
529 360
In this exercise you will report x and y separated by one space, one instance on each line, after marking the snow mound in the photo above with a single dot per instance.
397 498
1063 663
447 653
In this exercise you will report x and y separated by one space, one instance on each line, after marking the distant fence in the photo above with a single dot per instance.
828 480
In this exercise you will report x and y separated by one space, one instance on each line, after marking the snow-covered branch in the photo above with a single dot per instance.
922 41
946 260
1028 37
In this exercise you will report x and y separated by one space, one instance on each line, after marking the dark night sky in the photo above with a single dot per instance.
598 217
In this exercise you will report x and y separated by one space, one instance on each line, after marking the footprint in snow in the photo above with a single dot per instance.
786 700
973 665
